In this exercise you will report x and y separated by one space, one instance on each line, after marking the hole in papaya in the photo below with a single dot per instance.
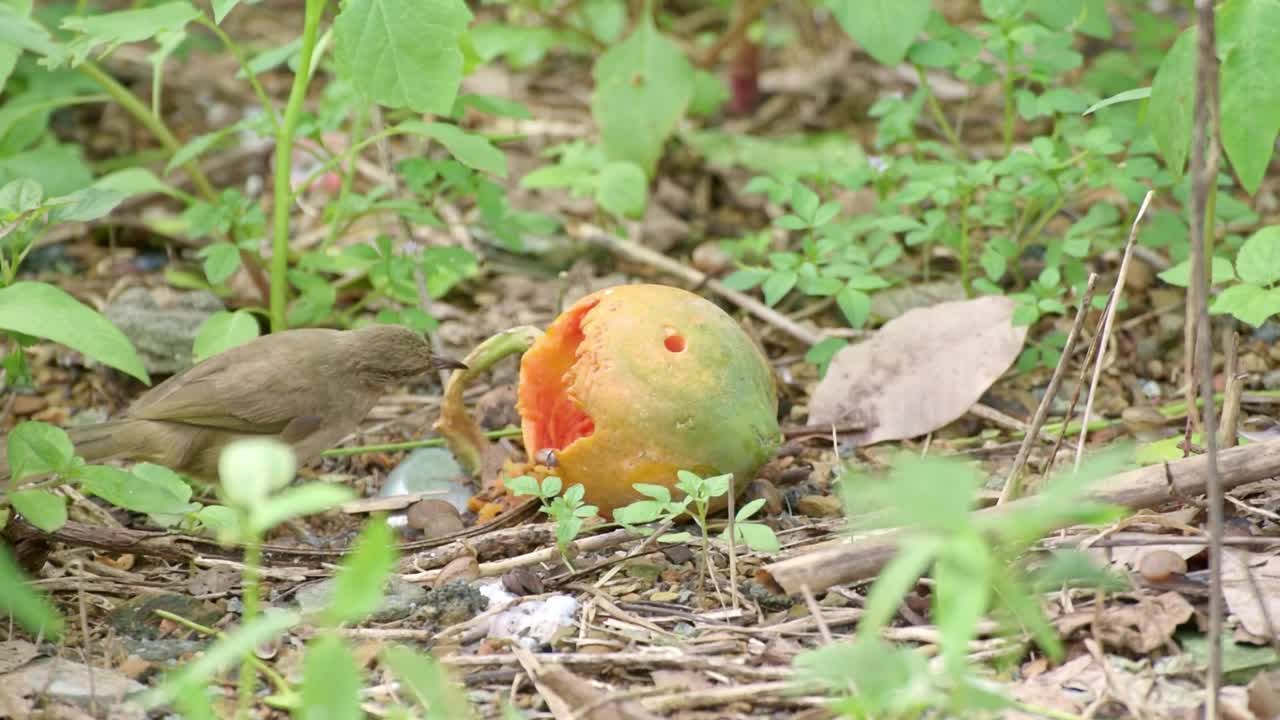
552 417
674 341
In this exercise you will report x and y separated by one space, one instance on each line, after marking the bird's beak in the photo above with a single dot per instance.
444 363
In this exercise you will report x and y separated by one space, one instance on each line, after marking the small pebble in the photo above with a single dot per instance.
761 488
1162 565
711 258
464 569
522 581
435 518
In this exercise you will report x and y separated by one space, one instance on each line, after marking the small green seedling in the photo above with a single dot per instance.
566 511
756 535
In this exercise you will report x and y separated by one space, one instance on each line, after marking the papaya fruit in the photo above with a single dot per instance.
635 382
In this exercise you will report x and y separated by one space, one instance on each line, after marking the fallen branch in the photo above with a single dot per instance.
861 558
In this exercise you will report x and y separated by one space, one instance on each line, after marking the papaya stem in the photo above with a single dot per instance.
461 433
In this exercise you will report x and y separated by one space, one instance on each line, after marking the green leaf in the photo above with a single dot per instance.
250 470
622 189
551 486
125 26
221 260
19 32
84 205
1250 92
30 608
45 510
48 312
358 588
20 196
150 489
1180 274
135 181
221 8
426 681
403 53
1171 111
777 285
331 681
297 502
223 331
1123 97
1258 260
960 597
59 168
1249 303
221 655
17 13
36 448
884 28
523 485
855 305
893 583
758 536
643 87
470 149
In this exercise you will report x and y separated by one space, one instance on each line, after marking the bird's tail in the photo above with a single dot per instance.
95 442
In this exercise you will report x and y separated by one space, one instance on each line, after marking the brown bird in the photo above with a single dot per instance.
308 388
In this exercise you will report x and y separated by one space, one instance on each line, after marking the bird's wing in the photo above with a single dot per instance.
255 388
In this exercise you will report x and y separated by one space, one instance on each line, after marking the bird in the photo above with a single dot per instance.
306 387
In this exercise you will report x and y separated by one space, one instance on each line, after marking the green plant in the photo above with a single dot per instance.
566 511
757 535
979 567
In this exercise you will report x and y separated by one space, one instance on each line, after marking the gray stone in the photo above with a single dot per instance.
77 684
430 469
400 599
162 323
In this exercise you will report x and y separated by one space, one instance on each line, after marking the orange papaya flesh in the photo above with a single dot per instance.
636 382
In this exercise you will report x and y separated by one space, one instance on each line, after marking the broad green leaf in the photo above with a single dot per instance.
30 608
250 470
221 8
1249 303
1258 260
17 13
135 181
45 510
223 331
960 597
297 502
1171 111
20 196
148 492
622 189
522 485
48 312
84 205
551 486
221 260
884 28
643 86
19 32
403 53
126 26
474 151
331 681
221 655
36 448
359 584
1250 91
425 680
777 285
855 305
1180 274
59 168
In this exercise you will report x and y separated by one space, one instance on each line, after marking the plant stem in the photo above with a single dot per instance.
282 685
283 194
249 596
412 445
1008 95
936 110
239 55
348 175
966 278
150 121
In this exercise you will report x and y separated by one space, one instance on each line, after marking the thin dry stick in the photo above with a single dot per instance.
1116 294
1233 393
733 549
1204 170
1075 398
1011 489
661 262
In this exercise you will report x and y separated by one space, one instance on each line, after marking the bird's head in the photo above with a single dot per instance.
388 354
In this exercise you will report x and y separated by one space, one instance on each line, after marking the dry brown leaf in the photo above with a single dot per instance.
1141 628
920 371
1242 599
